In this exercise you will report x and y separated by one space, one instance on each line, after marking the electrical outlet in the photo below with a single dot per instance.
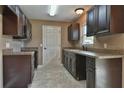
105 45
41 45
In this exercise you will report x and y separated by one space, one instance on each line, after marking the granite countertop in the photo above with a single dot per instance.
29 48
99 55
19 53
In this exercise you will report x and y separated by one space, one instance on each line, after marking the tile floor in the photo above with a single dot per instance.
54 75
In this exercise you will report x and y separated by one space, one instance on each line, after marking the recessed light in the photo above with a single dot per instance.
79 11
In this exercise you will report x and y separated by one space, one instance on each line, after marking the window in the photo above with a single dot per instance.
86 40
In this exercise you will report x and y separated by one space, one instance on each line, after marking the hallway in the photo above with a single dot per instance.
54 75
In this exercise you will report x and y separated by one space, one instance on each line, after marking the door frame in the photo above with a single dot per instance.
43 29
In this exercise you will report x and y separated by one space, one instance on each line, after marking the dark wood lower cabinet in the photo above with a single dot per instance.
90 78
17 71
81 67
98 73
75 64
35 50
104 73
90 72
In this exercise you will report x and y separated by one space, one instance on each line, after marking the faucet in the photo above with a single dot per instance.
84 48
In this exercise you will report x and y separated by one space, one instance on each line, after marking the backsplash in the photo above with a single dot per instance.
111 41
9 43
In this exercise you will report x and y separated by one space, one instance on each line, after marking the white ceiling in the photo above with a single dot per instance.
64 13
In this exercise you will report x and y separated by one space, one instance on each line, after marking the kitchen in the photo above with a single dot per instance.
104 49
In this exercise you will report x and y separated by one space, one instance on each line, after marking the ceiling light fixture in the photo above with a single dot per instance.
52 10
79 11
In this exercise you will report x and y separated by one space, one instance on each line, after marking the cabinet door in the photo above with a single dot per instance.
69 32
90 78
74 67
90 72
20 21
75 32
65 59
28 29
17 71
9 21
103 18
91 21
24 27
73 64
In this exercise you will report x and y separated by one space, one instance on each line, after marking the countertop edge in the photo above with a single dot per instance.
95 54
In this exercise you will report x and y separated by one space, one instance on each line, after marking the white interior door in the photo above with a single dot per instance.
51 43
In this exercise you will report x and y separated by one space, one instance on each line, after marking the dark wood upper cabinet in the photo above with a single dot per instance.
10 22
24 26
117 19
91 21
105 19
27 30
15 23
69 32
20 21
74 32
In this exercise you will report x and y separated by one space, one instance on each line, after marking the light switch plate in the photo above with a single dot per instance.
105 45
7 45
41 45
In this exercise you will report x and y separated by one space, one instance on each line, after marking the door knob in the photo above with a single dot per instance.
45 48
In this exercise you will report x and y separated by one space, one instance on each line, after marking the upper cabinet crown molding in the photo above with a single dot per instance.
105 19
